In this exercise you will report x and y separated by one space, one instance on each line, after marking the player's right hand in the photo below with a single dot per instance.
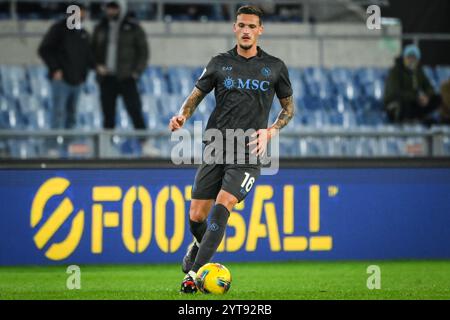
176 122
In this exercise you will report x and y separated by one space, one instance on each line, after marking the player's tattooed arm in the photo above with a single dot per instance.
262 136
286 113
191 103
187 109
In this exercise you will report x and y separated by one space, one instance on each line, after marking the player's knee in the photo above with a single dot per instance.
197 215
227 200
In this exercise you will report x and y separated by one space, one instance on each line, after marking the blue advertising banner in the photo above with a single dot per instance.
60 216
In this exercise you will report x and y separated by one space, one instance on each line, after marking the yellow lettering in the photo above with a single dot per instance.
160 219
314 208
288 206
111 219
130 198
258 230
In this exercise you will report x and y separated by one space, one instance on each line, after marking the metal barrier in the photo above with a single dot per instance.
386 141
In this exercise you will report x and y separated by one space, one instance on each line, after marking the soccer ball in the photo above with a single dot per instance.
213 278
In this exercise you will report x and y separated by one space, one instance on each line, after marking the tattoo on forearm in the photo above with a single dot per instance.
191 103
286 113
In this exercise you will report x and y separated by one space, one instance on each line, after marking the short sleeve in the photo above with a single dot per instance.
283 87
207 79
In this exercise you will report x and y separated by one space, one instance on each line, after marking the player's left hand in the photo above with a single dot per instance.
261 138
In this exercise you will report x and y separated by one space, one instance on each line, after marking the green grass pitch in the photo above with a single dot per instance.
274 280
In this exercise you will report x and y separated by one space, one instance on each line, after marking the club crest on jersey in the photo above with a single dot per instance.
247 84
266 72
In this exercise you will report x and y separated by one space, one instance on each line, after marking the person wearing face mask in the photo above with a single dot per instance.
121 53
408 95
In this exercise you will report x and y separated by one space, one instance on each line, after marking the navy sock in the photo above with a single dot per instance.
213 236
198 229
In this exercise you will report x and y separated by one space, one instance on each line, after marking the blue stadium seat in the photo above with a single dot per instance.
150 109
38 119
317 82
13 81
89 115
298 86
153 81
442 74
392 146
344 82
170 104
446 145
288 147
127 146
38 81
313 147
180 80
29 103
9 117
371 82
23 148
366 147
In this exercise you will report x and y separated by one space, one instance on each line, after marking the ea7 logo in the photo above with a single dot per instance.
227 68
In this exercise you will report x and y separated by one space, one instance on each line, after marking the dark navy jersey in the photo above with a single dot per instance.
244 89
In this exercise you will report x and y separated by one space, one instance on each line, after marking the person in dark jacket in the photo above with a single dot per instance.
67 53
121 53
408 94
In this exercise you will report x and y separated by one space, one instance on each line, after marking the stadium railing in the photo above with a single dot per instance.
300 143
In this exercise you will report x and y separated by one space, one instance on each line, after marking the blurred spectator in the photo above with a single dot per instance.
192 12
409 96
67 54
121 53
442 115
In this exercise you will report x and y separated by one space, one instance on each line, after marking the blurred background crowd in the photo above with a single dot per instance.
359 92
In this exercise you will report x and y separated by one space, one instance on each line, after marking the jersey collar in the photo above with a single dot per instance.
234 53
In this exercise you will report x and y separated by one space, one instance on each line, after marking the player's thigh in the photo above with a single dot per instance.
208 181
238 180
199 209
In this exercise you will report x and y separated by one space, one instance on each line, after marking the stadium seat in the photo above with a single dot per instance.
342 98
150 109
13 81
153 81
181 80
9 117
312 147
442 74
89 116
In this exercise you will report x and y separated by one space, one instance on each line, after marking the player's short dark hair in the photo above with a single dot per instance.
250 10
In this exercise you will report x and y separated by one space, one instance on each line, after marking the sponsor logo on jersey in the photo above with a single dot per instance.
247 84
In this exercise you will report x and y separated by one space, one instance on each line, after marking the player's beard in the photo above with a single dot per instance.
246 47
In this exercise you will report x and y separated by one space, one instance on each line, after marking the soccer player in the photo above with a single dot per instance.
245 80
